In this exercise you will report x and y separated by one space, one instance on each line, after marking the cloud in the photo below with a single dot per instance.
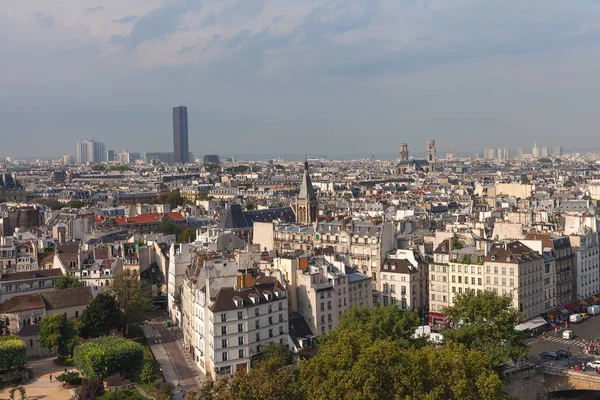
91 10
157 24
125 20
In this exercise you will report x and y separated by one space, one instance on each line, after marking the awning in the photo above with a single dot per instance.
553 314
531 324
573 306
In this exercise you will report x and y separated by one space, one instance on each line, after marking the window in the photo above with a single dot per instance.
241 353
487 269
224 356
240 327
258 336
328 317
479 281
224 343
503 270
240 340
487 280
329 305
256 312
270 320
280 305
240 315
512 271
281 330
393 288
270 308
225 370
453 279
30 343
76 314
322 306
472 281
223 330
270 333
257 324
453 289
322 319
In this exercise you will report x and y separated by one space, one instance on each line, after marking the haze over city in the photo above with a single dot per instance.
291 77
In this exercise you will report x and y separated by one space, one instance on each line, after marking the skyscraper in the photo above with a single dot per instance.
90 151
180 134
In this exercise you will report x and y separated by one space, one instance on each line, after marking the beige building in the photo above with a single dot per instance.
364 244
18 283
289 238
404 281
509 268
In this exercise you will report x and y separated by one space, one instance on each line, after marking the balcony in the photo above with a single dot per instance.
359 255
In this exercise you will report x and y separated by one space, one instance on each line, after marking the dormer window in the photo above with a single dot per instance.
254 299
238 302
268 296
507 258
493 258
393 267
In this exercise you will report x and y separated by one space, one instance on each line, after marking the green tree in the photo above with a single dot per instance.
109 355
13 352
66 282
150 372
277 351
168 227
488 323
59 334
100 316
174 199
98 167
76 204
187 236
382 322
52 204
249 207
20 389
134 297
457 244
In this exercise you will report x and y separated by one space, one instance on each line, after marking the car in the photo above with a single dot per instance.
594 364
563 353
585 316
550 355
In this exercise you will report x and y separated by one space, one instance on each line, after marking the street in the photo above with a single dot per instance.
584 330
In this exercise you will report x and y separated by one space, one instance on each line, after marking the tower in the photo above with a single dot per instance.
431 154
306 204
403 152
180 135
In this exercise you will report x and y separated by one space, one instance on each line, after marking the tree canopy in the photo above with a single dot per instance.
60 334
134 297
488 323
13 352
109 355
168 227
371 355
174 199
100 316
187 236
66 282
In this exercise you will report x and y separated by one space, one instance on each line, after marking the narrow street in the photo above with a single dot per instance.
177 365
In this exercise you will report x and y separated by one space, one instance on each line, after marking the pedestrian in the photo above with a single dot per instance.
50 378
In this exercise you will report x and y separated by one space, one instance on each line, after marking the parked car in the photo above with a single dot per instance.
563 353
551 355
594 364
585 316
594 310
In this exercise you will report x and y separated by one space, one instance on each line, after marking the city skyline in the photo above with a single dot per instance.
271 76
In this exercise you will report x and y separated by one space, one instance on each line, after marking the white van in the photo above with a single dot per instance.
575 318
568 334
593 310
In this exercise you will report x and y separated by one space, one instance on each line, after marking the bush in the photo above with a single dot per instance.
109 355
70 378
12 352
15 377
124 394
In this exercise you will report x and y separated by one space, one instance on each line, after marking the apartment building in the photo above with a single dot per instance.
228 317
404 280
586 279
17 283
364 244
509 268
513 268
288 238
562 251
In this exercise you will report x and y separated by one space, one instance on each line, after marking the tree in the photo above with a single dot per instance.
107 356
150 371
66 282
187 236
168 227
20 389
133 295
60 334
174 199
100 316
13 352
249 207
488 324
279 352
90 390
457 244
76 204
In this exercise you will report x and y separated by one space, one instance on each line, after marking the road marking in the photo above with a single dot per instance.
565 341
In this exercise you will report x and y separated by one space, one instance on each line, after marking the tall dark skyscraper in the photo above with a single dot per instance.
180 135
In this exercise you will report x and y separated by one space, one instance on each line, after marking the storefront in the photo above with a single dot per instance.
437 321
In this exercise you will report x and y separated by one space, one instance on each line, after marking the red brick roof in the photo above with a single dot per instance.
147 218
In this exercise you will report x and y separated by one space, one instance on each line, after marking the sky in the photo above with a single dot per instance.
291 76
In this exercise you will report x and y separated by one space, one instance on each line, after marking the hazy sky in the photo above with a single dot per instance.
295 76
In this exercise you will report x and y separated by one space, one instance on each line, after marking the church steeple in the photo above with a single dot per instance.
306 204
